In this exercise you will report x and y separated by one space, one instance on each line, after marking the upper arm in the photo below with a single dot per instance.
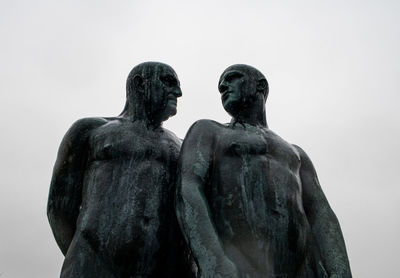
66 183
313 197
330 246
196 152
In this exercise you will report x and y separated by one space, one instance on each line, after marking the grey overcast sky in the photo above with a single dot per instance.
333 69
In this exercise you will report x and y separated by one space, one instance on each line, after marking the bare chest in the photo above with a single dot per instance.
256 144
122 143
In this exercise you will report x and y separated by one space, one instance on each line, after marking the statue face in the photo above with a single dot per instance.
236 88
164 91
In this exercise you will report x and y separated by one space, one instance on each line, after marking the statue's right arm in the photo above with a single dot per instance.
192 206
65 193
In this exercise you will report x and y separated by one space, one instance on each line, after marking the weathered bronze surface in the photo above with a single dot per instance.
248 202
111 200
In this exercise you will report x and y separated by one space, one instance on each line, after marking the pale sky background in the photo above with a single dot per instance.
333 69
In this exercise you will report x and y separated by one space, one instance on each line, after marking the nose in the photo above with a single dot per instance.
222 87
177 92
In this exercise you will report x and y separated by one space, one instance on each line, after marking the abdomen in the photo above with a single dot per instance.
126 212
257 209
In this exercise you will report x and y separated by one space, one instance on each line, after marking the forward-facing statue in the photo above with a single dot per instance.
249 203
111 200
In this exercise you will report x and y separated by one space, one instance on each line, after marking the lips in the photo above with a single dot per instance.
225 95
172 101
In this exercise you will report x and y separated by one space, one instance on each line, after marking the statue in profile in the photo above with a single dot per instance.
248 202
111 199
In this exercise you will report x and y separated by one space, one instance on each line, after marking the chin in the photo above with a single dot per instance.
169 113
172 111
231 107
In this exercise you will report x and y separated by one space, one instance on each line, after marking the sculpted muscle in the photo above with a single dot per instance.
111 201
66 185
249 203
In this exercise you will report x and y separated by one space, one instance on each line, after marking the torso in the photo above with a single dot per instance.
127 205
255 199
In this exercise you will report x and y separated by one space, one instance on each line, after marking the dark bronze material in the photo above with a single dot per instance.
111 200
249 203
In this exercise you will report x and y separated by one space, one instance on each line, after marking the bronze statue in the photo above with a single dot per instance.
248 202
111 200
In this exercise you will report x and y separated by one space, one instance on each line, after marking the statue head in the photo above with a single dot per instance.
152 89
242 86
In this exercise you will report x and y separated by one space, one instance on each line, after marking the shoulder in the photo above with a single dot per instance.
88 123
201 136
75 141
301 152
82 127
204 127
172 137
304 159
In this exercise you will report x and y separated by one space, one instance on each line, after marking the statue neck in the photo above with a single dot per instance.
137 113
253 115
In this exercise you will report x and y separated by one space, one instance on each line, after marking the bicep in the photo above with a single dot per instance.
66 182
312 194
196 152
71 155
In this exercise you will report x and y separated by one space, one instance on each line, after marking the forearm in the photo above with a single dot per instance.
62 212
199 231
65 194
63 229
327 232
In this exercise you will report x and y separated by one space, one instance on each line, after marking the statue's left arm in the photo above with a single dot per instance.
65 193
323 221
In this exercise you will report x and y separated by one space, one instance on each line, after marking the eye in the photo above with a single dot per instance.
233 75
169 80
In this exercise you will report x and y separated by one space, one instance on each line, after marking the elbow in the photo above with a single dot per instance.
54 212
54 218
50 211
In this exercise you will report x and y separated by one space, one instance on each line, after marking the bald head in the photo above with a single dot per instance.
152 89
261 83
145 72
244 91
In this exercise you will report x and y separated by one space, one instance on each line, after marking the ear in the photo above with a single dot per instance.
262 85
138 82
